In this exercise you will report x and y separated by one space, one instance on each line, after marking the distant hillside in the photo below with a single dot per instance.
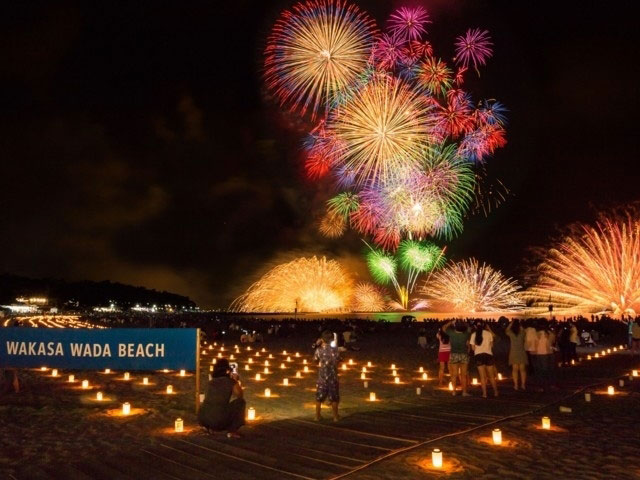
86 294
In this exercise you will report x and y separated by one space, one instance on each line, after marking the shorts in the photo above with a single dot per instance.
459 358
327 390
443 357
484 359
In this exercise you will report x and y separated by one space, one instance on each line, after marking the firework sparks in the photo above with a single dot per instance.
368 298
382 266
409 23
305 284
315 50
383 130
434 76
474 47
333 225
594 269
467 286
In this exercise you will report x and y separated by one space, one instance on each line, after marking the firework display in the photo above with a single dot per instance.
399 136
315 50
368 298
468 286
414 258
594 269
303 285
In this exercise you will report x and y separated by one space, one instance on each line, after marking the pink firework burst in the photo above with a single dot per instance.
388 51
474 47
409 23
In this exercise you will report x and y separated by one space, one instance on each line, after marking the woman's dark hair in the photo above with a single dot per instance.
460 326
221 369
327 336
479 329
515 326
444 337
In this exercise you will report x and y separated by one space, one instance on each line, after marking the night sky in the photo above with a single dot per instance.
138 143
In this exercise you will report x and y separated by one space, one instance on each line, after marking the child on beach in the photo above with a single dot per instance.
327 386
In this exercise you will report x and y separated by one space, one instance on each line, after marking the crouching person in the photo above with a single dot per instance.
224 406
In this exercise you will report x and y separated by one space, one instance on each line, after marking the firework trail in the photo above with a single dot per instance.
468 287
305 284
594 269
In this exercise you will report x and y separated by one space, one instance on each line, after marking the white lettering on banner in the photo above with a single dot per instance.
135 350
40 349
90 350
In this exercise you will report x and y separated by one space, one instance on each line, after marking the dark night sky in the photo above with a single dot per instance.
138 146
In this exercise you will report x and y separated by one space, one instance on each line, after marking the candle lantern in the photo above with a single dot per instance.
546 423
587 397
297 354
393 366
306 369
264 349
588 357
126 375
285 381
394 373
267 392
44 369
182 373
169 389
621 383
364 369
451 386
258 376
266 370
499 376
266 363
166 370
284 352
298 375
362 376
54 372
474 381
85 384
289 359
372 396
179 425
418 390
634 373
421 369
436 458
344 366
282 365
251 360
304 362
246 367
611 390
497 436
126 408
251 414
145 381
270 355
425 376
72 378
397 380
366 385
351 361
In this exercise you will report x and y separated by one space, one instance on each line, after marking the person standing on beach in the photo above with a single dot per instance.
459 357
517 354
444 354
481 342
327 386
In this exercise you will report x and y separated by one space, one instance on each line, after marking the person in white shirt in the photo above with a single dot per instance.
481 342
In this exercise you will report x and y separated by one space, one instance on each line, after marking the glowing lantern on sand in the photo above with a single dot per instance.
169 389
372 396
54 372
251 414
611 390
546 423
182 373
436 458
126 408
497 436
99 396
85 384
179 425
145 381
267 392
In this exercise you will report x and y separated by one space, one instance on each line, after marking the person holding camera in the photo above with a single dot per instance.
224 406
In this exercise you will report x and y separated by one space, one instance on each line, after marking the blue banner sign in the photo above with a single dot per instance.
95 349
